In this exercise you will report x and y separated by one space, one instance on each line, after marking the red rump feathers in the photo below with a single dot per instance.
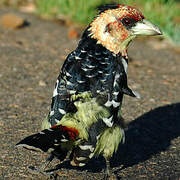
72 132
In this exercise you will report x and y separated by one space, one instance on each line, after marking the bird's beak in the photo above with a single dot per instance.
145 28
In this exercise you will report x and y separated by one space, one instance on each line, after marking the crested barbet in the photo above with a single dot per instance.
85 116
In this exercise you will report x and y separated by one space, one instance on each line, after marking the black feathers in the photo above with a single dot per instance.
85 117
90 68
43 141
49 140
107 6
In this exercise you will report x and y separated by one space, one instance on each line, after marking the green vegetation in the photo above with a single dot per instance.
164 13
81 11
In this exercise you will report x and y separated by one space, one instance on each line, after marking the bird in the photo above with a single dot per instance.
85 118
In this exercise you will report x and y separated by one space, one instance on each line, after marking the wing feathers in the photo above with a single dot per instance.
49 139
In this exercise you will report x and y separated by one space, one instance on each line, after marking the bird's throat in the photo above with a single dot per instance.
122 46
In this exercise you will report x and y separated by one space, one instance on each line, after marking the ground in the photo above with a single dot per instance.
30 60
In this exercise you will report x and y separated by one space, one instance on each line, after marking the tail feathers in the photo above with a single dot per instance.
49 139
129 92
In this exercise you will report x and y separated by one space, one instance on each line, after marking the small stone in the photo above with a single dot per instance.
14 106
30 8
152 100
73 34
1 123
42 83
12 21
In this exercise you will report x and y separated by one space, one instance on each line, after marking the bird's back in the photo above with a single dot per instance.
93 70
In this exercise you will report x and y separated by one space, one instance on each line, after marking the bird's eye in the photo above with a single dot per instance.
126 21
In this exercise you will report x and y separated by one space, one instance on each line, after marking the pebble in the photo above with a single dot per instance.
73 34
12 21
42 83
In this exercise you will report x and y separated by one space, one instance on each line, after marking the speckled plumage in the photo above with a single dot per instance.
90 68
87 99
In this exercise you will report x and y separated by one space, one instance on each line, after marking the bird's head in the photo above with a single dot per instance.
116 25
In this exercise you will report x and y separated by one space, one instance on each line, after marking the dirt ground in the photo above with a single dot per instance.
30 60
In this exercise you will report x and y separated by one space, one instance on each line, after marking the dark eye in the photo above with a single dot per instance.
126 21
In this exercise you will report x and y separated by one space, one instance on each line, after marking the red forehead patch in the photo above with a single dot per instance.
128 11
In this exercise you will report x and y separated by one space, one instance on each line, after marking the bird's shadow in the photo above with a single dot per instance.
147 135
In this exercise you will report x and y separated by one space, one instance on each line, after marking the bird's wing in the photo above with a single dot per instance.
78 76
90 69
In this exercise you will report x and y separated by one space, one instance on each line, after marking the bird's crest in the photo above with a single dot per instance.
123 9
107 6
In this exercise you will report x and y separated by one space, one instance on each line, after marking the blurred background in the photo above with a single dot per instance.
164 13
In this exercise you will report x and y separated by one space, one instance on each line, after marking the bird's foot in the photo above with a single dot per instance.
35 170
109 176
52 173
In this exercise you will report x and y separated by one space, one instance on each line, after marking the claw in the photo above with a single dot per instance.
51 173
108 174
35 170
41 170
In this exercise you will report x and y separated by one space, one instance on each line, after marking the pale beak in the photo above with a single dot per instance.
145 28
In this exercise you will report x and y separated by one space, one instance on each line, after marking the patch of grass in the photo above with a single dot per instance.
163 13
80 11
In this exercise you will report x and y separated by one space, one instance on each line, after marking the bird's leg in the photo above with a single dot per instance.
48 161
108 168
43 167
109 175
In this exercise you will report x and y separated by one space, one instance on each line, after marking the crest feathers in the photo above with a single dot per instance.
107 6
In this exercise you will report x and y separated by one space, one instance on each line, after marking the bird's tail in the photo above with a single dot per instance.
50 140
